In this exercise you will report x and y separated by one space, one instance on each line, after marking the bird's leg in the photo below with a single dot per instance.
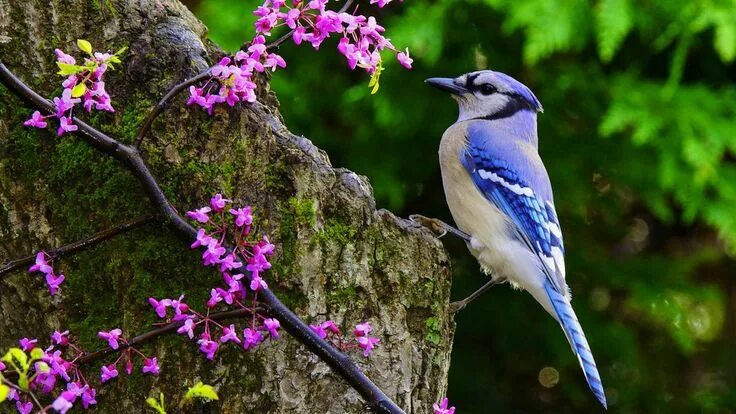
439 227
461 304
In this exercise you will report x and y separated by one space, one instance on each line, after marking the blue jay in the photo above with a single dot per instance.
500 195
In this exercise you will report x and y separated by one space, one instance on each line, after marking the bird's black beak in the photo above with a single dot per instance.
447 85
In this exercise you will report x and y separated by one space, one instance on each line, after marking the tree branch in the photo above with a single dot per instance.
79 245
130 157
161 105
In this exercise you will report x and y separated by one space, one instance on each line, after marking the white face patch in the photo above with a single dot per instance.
516 188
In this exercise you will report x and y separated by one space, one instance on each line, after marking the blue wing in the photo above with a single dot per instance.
510 174
495 166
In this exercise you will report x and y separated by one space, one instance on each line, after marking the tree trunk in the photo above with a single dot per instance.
338 257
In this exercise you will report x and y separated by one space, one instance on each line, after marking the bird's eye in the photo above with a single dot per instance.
487 89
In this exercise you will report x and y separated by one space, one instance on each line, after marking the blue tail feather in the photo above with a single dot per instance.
576 337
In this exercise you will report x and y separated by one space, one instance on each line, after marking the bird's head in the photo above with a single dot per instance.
488 95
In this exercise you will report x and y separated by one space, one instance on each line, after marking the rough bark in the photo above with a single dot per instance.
338 257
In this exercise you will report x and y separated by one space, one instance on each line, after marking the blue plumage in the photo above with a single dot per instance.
499 193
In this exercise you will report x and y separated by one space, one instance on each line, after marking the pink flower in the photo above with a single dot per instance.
208 348
24 408
108 372
187 328
319 330
442 408
54 282
330 326
257 283
251 338
196 97
229 263
202 239
88 398
2 367
150 366
60 338
27 344
243 216
160 306
362 329
47 381
111 337
179 306
367 343
272 325
404 59
200 214
215 298
217 202
65 103
61 405
229 334
37 121
64 58
41 264
381 3
65 125
129 367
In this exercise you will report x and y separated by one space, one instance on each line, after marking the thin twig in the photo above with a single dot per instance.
79 245
161 105
130 157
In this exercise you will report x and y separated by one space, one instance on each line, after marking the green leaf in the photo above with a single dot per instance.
66 69
79 90
23 382
613 22
121 50
17 356
725 37
84 46
4 391
42 367
156 405
200 390
36 353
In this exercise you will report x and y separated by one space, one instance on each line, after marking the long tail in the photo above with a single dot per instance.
576 337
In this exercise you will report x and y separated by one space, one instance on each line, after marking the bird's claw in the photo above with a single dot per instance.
456 307
438 227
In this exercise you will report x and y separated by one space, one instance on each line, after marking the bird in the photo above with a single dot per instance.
499 194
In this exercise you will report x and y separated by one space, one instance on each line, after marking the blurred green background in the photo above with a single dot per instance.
639 137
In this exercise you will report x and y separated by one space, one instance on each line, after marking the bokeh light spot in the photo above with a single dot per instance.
549 377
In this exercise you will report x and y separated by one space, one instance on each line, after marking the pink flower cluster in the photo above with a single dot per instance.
51 370
328 330
235 223
84 83
52 279
361 37
231 79
114 337
361 42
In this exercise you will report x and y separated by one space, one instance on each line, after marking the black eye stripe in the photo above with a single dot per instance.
470 81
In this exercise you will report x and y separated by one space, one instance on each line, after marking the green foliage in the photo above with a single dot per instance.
199 391
639 138
157 405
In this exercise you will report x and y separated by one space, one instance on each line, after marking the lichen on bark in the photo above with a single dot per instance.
338 256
